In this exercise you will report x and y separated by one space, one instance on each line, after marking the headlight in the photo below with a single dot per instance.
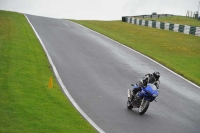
154 95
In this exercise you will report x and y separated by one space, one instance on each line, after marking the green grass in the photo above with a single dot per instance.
26 103
177 20
177 51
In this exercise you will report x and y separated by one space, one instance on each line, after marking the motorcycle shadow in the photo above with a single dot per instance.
134 112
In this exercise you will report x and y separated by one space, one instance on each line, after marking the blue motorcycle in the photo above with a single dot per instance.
143 98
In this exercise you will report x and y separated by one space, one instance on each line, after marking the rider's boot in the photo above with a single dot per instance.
137 96
133 95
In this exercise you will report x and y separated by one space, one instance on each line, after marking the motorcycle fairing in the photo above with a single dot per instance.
149 93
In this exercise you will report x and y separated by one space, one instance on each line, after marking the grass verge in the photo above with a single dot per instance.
177 51
27 104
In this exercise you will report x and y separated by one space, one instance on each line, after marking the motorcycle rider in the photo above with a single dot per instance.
149 78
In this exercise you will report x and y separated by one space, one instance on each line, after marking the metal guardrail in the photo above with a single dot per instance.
153 16
147 16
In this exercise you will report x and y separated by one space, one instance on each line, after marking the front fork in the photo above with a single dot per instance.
142 102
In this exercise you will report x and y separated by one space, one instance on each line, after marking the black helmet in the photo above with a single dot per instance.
156 74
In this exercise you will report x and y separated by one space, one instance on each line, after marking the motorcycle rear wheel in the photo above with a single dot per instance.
143 107
129 105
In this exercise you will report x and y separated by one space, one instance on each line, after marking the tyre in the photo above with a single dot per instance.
143 107
129 105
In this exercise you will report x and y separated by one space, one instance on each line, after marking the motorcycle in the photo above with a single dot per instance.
142 99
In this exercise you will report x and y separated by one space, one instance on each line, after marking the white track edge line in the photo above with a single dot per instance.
63 86
144 56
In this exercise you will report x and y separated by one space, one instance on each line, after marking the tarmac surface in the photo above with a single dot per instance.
97 72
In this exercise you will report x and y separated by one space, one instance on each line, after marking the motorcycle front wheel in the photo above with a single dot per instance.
143 107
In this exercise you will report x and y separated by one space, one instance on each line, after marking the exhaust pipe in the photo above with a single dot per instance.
129 93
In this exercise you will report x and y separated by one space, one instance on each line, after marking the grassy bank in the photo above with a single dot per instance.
177 51
27 104
177 20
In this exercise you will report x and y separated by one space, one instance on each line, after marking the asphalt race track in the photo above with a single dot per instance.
97 72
